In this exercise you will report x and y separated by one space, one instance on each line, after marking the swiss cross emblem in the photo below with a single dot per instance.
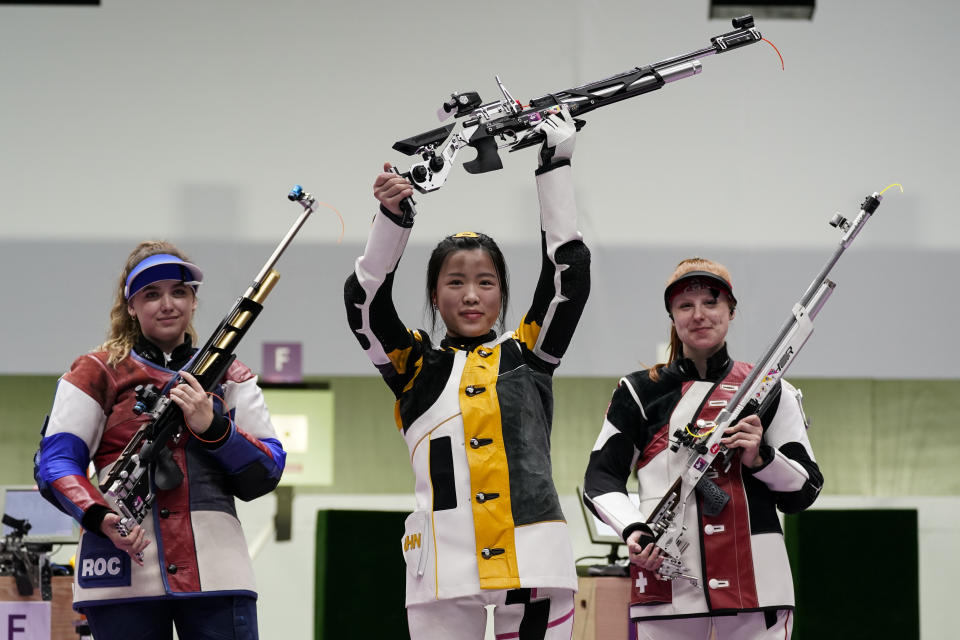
641 583
715 448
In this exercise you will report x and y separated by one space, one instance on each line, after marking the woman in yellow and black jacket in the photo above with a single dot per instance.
475 411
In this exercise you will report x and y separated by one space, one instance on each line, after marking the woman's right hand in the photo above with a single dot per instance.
644 556
133 543
390 188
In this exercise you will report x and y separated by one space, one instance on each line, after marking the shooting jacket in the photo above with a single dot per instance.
739 555
197 545
476 416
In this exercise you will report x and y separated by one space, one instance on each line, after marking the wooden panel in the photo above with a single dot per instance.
62 615
602 609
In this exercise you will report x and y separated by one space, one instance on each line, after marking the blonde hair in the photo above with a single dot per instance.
675 350
124 330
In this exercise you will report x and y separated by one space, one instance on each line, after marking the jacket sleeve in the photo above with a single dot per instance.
790 470
564 284
70 436
250 452
612 459
393 349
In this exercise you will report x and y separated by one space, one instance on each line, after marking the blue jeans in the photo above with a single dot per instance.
196 618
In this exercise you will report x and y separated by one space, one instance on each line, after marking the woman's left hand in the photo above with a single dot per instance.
196 405
746 435
560 136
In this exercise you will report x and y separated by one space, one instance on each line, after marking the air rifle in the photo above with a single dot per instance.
488 127
701 442
146 463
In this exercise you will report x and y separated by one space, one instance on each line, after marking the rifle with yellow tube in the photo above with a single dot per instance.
146 464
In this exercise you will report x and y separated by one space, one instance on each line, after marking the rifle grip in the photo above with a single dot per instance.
408 210
487 157
714 498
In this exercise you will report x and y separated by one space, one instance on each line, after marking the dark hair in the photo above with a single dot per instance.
466 241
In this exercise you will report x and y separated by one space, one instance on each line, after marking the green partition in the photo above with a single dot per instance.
360 575
855 573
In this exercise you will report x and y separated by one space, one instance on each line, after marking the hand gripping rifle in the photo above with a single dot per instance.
146 463
509 122
702 441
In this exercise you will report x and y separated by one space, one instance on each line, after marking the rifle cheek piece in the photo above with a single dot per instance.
419 143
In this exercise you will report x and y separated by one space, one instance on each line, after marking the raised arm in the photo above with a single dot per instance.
564 283
368 292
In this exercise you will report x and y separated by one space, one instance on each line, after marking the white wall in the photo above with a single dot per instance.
142 118
190 120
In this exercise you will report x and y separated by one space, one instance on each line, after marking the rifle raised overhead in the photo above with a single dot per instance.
506 123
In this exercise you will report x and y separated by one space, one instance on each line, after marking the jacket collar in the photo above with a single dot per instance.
718 366
152 353
467 344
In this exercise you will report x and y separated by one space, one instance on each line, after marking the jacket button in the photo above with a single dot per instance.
472 390
718 584
483 497
476 443
164 513
711 529
488 552
171 568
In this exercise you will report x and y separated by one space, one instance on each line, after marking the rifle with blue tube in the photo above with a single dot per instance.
506 123
146 464
701 441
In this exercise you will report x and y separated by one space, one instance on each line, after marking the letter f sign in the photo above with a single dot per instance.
281 357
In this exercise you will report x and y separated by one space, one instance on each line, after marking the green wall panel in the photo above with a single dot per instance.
24 402
889 437
915 443
841 432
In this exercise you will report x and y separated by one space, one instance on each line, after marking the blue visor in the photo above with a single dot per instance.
161 266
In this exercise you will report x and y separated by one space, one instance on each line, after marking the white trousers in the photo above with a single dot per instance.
744 626
518 614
